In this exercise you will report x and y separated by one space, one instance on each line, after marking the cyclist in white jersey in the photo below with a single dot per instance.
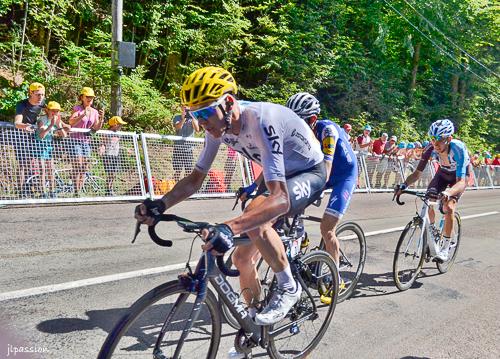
450 179
293 171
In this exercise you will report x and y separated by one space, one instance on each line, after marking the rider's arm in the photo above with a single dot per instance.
329 137
414 177
275 205
184 188
462 158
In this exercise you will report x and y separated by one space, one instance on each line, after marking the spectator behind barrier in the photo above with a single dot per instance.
182 157
110 152
87 117
27 112
49 126
364 141
379 144
348 128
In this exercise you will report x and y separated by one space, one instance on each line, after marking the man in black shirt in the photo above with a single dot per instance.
27 112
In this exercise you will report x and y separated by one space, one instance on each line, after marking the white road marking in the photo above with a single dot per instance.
149 271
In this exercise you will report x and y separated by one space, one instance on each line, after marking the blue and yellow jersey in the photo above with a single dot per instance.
337 149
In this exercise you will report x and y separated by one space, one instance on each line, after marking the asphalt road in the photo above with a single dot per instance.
455 315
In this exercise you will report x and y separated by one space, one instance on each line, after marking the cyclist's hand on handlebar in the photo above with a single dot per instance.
244 192
218 238
398 189
146 212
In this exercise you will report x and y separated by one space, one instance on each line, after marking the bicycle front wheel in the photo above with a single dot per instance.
454 243
299 333
409 255
165 309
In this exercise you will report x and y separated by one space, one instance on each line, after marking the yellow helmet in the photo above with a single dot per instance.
208 83
52 105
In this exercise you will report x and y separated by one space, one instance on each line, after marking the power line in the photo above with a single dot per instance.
451 41
433 42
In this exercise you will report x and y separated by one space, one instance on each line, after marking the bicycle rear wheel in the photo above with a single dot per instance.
352 256
409 255
166 307
299 333
454 243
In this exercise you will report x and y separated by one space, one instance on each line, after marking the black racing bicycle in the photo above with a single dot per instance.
182 318
295 238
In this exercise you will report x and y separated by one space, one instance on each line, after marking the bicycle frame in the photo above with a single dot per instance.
425 220
207 271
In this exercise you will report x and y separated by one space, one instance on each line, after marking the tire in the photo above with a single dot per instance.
410 249
455 242
352 256
295 338
32 185
94 185
136 333
265 275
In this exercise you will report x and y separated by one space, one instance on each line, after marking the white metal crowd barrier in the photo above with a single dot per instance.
79 166
107 166
170 158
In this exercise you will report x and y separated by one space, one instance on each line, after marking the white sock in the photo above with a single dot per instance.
286 281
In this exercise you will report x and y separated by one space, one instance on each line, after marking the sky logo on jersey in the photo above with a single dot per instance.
273 138
302 189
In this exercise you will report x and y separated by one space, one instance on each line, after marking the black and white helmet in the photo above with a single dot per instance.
304 104
441 129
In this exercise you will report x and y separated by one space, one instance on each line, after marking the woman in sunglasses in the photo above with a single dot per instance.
293 172
450 180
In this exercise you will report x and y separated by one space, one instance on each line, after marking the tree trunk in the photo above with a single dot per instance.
414 65
49 33
78 33
158 69
24 32
462 90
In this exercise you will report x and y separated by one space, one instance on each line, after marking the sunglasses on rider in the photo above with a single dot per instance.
203 114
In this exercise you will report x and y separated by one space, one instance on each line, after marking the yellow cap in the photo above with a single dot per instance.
52 105
87 91
36 86
116 120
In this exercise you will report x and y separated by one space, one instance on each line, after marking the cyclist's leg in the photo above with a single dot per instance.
245 258
340 199
437 185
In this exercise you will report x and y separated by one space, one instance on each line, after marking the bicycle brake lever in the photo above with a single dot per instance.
236 202
238 194
137 230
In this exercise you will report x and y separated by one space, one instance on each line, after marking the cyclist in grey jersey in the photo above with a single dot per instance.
294 175
270 136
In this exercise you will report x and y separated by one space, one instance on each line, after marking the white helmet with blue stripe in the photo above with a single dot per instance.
441 129
304 104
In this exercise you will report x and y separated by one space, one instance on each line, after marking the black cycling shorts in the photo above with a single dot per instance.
442 180
304 187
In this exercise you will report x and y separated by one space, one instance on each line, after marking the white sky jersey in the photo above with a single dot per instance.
271 135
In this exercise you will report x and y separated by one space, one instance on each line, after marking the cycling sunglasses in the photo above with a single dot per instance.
203 114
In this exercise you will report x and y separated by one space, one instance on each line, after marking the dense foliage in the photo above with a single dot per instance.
396 64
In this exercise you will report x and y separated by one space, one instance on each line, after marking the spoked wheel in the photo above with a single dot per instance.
409 255
165 309
352 256
453 248
266 275
303 328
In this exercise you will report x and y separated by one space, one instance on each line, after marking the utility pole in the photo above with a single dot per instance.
116 69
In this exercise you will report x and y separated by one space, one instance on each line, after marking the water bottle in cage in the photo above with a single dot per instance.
293 248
